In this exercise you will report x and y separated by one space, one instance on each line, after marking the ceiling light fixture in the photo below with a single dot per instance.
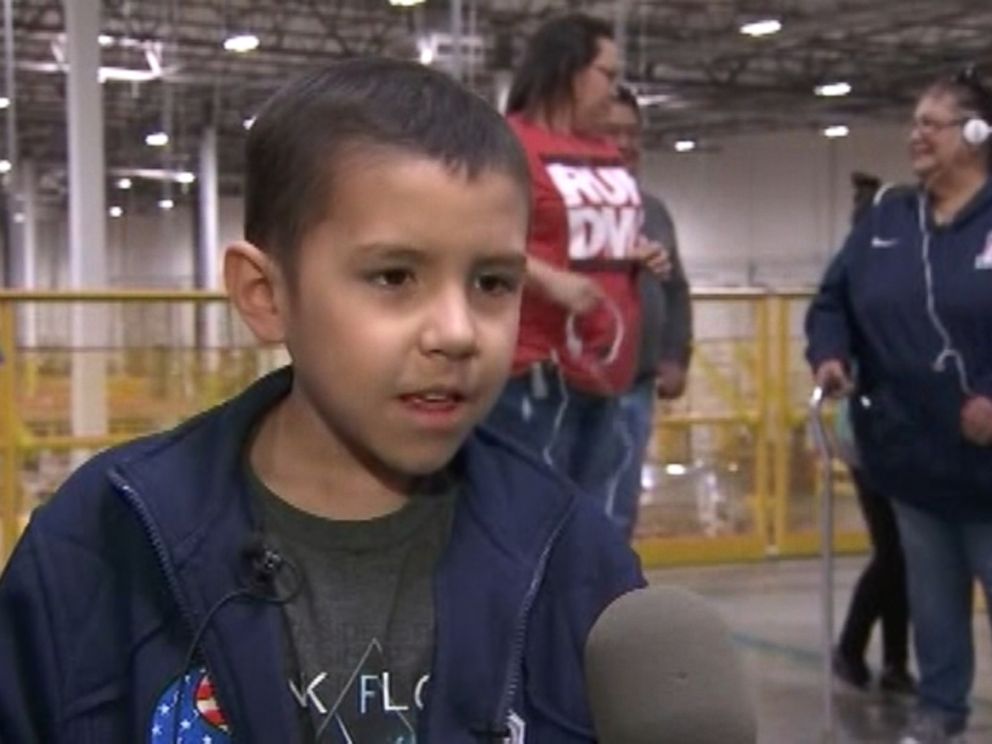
833 90
4 102
249 122
685 145
166 204
241 43
835 131
5 166
764 27
406 3
126 177
157 139
115 211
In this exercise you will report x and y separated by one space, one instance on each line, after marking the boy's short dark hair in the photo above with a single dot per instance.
304 131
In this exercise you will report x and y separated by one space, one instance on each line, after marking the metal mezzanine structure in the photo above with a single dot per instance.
166 67
731 472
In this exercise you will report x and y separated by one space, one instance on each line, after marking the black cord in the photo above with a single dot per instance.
188 660
263 563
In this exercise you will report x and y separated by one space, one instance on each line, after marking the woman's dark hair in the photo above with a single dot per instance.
971 95
865 187
560 48
299 144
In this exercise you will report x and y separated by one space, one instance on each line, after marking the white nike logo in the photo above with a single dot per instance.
877 242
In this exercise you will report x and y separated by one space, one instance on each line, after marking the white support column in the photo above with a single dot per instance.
457 41
210 316
502 81
207 255
622 10
14 270
28 182
87 214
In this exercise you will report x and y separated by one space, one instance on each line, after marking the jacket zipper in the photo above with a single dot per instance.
158 545
515 663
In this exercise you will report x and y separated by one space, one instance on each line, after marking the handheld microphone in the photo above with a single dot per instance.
661 667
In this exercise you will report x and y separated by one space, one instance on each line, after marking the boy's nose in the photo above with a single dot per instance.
450 327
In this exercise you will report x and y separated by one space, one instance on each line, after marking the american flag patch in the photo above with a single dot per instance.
206 704
188 713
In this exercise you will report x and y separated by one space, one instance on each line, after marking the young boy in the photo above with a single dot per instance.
334 555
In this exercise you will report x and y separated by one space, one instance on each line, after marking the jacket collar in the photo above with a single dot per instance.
192 481
191 484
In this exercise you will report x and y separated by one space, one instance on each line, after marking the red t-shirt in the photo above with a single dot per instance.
587 216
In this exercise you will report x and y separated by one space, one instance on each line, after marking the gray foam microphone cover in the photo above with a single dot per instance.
661 668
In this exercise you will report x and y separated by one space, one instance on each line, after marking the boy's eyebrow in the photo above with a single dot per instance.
391 250
508 258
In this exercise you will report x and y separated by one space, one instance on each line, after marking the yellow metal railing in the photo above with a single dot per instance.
780 495
734 474
9 504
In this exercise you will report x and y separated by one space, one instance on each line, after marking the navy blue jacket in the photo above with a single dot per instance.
909 304
100 600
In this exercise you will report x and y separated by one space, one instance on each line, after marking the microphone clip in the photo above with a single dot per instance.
262 564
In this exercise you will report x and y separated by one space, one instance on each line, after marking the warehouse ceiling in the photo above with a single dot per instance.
167 68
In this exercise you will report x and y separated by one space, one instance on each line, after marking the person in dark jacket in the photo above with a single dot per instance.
336 554
879 594
666 319
909 299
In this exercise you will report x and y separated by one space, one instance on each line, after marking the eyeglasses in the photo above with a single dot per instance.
926 125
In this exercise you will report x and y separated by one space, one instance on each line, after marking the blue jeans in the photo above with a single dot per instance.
942 560
581 436
637 408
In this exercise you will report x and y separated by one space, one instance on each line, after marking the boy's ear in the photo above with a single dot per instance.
255 285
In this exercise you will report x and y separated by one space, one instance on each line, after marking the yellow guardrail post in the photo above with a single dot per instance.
782 422
762 483
8 432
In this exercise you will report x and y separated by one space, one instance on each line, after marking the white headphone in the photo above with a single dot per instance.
976 131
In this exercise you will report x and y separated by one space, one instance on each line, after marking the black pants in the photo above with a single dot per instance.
881 591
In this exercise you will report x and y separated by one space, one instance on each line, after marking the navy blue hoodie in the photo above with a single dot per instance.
908 303
100 600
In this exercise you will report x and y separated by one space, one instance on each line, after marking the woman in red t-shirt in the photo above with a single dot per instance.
579 325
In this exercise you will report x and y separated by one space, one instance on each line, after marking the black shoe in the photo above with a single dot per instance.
853 672
897 681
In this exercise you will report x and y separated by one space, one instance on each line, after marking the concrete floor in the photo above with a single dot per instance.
773 609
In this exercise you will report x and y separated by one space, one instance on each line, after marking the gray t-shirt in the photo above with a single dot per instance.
360 632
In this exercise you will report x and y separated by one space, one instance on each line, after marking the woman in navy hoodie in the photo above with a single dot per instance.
909 299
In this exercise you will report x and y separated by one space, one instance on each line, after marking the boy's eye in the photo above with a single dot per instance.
498 284
391 278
